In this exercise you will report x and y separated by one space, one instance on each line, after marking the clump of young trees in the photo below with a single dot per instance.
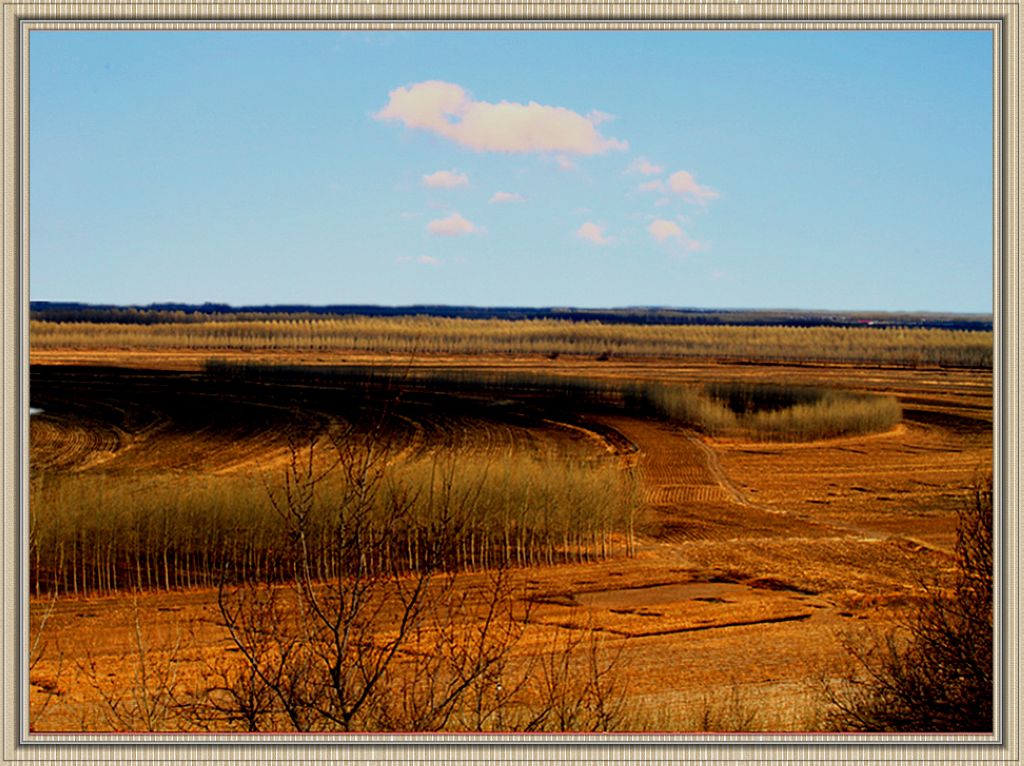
936 673
94 534
772 412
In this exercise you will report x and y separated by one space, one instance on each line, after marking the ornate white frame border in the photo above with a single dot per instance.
20 19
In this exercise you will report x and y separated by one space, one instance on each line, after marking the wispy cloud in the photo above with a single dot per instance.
502 197
426 260
446 179
685 184
452 226
644 167
564 163
448 110
650 186
593 233
670 232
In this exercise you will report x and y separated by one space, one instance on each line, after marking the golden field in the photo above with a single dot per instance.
656 574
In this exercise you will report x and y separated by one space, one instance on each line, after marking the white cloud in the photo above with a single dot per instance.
685 184
448 110
644 167
446 179
503 196
661 230
593 233
452 226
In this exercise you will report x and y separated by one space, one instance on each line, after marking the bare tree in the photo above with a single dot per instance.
457 671
367 582
372 625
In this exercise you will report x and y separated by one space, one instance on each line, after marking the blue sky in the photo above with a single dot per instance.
834 170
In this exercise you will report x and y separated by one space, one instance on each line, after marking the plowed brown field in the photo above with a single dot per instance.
754 558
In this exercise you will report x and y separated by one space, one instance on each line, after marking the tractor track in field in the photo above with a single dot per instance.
686 493
73 444
691 497
676 465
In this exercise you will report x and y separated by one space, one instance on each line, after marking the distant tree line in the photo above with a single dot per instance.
422 335
162 313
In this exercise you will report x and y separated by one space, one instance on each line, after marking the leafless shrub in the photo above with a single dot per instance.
733 712
330 652
582 688
39 648
935 674
148 700
457 671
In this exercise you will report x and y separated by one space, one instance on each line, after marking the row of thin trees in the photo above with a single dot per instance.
438 335
95 533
